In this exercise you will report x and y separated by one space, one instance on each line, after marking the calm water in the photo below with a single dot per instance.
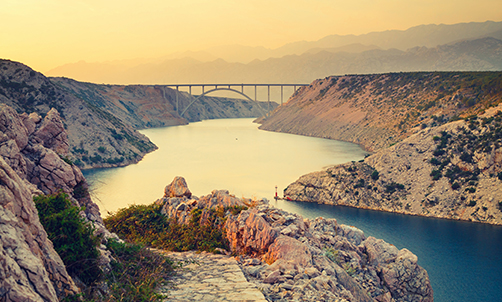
462 259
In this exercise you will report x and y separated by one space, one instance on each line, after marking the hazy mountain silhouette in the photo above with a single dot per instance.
461 47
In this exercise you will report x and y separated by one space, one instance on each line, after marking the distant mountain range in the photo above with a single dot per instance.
459 47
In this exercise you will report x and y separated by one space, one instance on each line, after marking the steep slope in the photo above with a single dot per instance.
96 137
452 171
379 110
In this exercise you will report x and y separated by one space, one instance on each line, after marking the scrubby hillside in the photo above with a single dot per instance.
452 171
379 110
145 106
96 137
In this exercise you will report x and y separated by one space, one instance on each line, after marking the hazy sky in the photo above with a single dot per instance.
47 33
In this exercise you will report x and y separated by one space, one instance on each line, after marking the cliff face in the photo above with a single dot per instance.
452 171
33 152
30 269
290 257
376 111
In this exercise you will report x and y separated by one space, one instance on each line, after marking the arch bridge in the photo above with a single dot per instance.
228 87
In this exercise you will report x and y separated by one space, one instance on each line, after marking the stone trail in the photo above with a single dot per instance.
209 277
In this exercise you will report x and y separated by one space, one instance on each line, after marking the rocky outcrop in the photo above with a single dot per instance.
453 171
290 257
30 268
379 110
33 160
37 149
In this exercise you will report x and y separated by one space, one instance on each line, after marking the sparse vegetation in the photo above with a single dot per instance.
135 271
146 225
73 238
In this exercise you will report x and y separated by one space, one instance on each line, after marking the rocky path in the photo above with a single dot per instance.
209 277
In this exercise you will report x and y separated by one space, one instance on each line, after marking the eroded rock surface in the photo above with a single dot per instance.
30 268
289 257
32 161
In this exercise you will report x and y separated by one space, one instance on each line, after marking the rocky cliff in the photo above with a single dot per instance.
290 257
379 110
451 171
33 160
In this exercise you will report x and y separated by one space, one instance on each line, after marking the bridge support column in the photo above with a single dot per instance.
268 99
255 93
177 102
281 93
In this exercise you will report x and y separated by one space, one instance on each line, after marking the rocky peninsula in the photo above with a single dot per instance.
453 171
290 257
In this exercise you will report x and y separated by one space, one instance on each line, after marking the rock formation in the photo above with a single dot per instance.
290 257
33 160
379 110
452 171
30 268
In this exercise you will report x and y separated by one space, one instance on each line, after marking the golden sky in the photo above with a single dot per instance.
47 33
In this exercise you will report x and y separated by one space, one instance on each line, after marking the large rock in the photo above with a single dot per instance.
177 188
249 233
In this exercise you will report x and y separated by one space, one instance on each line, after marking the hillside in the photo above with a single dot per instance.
379 110
452 171
101 120
90 128
155 105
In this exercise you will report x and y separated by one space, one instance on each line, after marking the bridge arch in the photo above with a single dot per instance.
222 88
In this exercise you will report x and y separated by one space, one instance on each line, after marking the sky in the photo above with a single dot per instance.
48 33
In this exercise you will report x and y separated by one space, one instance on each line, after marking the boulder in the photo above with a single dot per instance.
177 188
290 249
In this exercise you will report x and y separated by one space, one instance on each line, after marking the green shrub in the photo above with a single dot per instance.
436 174
392 187
146 225
72 237
375 175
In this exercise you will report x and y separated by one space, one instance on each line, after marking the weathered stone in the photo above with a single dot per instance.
32 265
178 188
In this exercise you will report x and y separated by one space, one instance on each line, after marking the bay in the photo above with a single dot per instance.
461 258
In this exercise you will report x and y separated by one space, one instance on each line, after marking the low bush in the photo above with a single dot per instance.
146 225
72 237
